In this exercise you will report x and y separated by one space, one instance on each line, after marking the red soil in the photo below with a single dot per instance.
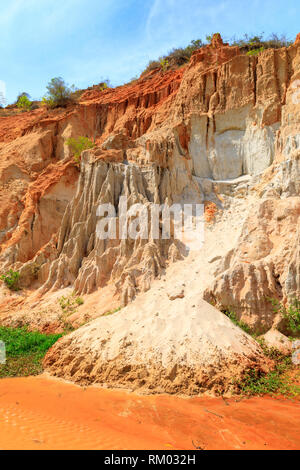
41 413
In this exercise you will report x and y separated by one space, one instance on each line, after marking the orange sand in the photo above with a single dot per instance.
43 413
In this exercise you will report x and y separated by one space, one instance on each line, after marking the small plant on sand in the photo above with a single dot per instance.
25 351
11 279
69 305
78 145
79 301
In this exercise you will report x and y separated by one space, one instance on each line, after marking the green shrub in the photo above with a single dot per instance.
277 381
291 313
79 301
104 85
111 312
164 63
58 93
23 102
257 42
25 351
254 52
78 144
11 279
237 322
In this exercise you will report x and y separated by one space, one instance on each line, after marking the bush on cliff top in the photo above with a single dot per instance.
175 58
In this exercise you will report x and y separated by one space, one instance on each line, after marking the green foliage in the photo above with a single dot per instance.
237 322
58 93
79 301
19 341
11 279
25 351
176 57
77 145
104 85
23 102
258 42
291 313
164 63
70 304
277 381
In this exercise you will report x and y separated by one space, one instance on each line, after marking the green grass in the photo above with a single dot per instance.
25 351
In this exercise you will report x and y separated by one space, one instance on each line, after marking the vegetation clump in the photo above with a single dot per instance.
59 94
259 43
69 305
78 145
251 45
111 312
25 351
11 279
279 381
244 326
175 58
290 313
103 85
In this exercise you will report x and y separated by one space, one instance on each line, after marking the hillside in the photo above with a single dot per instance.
222 130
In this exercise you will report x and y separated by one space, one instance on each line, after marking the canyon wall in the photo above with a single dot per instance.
223 130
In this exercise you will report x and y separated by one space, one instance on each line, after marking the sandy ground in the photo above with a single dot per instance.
43 413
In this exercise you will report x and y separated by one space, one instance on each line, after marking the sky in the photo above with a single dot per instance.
88 41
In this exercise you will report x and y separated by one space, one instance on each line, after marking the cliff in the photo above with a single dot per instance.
224 130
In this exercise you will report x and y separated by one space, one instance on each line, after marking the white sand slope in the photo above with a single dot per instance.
182 345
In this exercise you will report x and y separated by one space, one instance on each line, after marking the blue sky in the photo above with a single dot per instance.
86 41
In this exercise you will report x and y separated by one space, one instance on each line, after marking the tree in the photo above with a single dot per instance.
23 101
